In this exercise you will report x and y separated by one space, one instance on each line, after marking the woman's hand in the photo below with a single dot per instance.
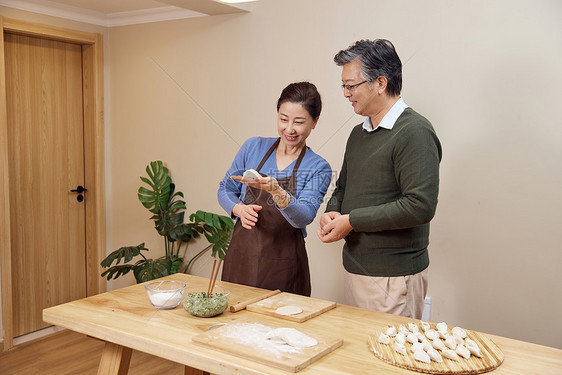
269 184
248 214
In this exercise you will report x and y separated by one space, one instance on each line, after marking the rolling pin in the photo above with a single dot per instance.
242 305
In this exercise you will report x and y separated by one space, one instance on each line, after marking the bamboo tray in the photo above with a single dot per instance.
492 357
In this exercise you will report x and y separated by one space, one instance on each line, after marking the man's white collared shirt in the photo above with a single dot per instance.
389 119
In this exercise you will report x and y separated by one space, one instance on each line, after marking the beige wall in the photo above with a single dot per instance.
486 73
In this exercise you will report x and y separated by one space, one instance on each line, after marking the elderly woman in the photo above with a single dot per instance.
267 249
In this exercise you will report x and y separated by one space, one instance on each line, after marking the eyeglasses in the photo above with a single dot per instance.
351 87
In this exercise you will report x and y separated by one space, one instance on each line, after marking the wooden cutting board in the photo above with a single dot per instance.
311 307
239 339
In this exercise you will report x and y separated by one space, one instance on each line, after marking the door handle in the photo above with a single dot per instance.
79 189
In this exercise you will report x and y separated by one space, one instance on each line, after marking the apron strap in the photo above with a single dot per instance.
273 147
299 160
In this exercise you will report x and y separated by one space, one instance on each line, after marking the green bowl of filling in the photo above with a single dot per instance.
197 303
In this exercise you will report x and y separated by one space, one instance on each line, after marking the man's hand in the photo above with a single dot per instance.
333 227
248 214
328 217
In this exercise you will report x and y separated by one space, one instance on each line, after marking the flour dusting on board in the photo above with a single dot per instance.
257 336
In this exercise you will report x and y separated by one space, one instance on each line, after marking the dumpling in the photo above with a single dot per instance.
391 331
412 338
384 339
425 326
450 342
463 351
400 348
417 346
413 327
473 347
438 344
434 355
442 328
459 332
251 174
403 329
431 334
458 339
451 354
422 356
400 338
426 345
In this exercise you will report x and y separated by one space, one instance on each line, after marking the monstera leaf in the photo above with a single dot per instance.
116 271
159 196
170 217
155 199
150 269
216 229
127 252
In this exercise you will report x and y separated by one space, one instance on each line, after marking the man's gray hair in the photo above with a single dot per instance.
376 58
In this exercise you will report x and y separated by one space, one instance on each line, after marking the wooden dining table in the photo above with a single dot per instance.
126 320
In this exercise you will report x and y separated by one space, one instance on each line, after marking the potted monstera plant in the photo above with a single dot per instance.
168 213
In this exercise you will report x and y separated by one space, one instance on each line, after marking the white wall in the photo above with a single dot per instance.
486 73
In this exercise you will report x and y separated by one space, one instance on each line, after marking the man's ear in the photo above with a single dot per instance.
381 82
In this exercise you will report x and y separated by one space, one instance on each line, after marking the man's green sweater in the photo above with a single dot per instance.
388 185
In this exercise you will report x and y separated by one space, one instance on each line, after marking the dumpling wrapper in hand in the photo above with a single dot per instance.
251 174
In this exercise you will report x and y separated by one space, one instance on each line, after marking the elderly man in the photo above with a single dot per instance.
386 193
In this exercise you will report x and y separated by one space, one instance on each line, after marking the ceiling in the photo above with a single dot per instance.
126 12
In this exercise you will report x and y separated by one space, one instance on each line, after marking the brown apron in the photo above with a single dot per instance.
272 254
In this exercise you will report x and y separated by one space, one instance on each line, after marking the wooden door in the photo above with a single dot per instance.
45 117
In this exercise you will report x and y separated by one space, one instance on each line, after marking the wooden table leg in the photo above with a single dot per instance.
115 359
194 371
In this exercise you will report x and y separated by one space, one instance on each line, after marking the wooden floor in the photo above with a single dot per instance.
71 353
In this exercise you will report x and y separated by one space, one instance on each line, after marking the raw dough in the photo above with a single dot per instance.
251 174
288 310
292 337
